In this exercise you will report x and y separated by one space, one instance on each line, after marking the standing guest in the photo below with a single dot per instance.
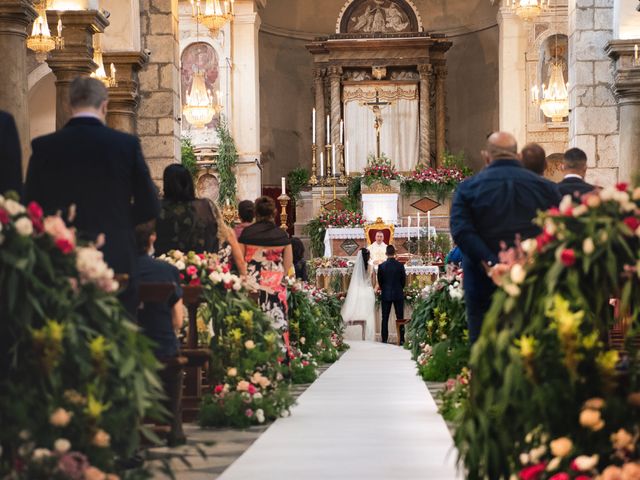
267 250
160 321
246 212
392 278
10 155
574 166
299 263
534 158
102 173
490 208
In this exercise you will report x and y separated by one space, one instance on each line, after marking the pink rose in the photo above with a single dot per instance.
192 270
248 412
561 476
4 216
64 245
533 472
568 257
251 389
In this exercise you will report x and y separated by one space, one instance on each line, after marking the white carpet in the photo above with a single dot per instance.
368 417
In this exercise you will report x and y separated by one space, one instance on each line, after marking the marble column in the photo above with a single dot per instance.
335 77
76 58
425 72
626 88
15 17
441 113
123 99
321 114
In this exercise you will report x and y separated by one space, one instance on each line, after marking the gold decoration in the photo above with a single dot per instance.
40 40
214 15
379 225
284 200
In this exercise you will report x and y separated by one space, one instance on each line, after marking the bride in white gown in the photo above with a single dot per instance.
360 303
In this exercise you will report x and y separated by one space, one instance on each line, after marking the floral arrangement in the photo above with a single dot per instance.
440 181
84 376
379 170
545 349
454 395
331 262
412 293
197 269
316 228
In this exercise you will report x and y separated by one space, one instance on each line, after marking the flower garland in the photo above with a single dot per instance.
435 181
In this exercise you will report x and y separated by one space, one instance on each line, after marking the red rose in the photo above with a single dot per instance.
181 276
543 239
561 476
533 472
553 212
34 211
583 477
632 222
195 282
218 389
64 245
568 257
4 216
622 187
225 268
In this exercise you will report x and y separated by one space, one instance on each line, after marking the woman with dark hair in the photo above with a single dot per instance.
299 263
360 303
267 250
185 223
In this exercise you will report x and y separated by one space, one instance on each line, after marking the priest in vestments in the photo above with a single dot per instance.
378 249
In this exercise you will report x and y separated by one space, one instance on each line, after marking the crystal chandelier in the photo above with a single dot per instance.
40 40
200 108
214 15
101 73
554 99
528 10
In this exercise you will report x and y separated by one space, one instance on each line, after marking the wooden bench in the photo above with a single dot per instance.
355 323
401 322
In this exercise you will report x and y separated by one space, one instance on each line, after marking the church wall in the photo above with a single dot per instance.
42 106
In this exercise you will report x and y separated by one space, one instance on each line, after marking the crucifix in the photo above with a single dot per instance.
377 125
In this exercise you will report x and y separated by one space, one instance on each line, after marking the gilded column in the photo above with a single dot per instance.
15 17
425 72
321 114
335 76
123 99
76 58
441 113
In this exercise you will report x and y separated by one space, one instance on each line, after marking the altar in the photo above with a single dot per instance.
347 241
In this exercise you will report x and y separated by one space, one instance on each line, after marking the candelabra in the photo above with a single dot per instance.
334 182
284 200
229 213
327 149
343 178
322 184
313 181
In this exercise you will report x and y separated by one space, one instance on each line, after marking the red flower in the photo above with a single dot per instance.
583 477
251 389
4 216
543 239
622 187
553 212
225 268
568 257
561 476
228 285
64 245
34 211
181 276
218 389
195 282
632 222
533 472
192 270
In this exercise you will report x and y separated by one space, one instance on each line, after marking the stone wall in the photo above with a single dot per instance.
159 110
593 122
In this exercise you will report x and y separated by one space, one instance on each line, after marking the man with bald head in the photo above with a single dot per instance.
492 207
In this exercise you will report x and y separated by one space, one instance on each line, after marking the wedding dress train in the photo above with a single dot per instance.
360 303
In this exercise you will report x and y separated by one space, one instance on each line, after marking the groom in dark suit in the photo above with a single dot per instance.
391 281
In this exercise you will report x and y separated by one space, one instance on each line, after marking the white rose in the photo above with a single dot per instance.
628 207
553 464
62 445
524 458
621 197
40 453
588 246
260 415
518 274
512 289
257 396
585 463
580 210
607 194
180 265
566 203
529 246
284 413
1 200
537 453
550 226
13 207
24 227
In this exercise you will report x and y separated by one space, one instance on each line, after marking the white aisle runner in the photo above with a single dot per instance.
368 417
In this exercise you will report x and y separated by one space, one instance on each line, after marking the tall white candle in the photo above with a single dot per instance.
346 158
328 131
409 226
342 132
284 182
313 126
635 52
429 225
333 160
321 164
418 225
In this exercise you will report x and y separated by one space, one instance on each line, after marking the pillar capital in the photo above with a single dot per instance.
425 70
334 71
15 17
626 83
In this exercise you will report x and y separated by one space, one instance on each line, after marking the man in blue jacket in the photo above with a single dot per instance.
493 207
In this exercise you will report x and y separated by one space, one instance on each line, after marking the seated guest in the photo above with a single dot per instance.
299 263
185 223
246 213
160 321
229 248
574 166
534 158
10 155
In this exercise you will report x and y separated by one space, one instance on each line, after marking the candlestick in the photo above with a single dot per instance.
635 52
313 126
327 149
284 184
341 131
313 181
328 130
333 159
284 200
341 165
346 159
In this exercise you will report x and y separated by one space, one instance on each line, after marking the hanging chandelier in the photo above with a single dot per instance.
213 14
200 108
528 10
100 72
553 100
40 40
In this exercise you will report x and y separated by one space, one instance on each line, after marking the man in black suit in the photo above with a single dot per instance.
10 155
493 207
574 166
99 170
391 281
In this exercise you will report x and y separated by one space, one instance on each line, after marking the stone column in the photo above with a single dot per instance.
76 58
15 17
335 77
245 96
321 114
441 113
123 99
626 88
425 72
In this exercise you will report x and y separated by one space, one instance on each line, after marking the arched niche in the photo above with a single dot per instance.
200 57
378 16
207 185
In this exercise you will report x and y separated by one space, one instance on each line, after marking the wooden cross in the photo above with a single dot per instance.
377 125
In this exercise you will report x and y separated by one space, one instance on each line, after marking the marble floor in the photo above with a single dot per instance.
368 417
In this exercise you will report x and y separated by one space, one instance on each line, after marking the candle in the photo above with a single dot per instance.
429 225
635 52
418 226
321 164
346 158
284 180
313 126
60 28
227 202
328 132
341 132
113 71
333 160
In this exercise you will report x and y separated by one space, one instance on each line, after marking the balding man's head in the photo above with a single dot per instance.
534 158
501 145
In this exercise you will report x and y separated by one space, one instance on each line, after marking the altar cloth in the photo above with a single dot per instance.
358 233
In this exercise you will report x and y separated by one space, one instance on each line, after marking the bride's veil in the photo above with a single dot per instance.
351 310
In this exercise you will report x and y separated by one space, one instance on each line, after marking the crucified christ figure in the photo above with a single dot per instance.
377 124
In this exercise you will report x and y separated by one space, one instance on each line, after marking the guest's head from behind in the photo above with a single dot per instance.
391 251
178 184
88 96
246 211
366 255
534 158
500 146
574 162
145 237
298 249
379 238
265 209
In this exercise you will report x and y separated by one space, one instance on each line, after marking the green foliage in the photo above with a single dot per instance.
227 160
454 396
188 156
316 231
297 179
352 201
302 373
447 359
455 160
